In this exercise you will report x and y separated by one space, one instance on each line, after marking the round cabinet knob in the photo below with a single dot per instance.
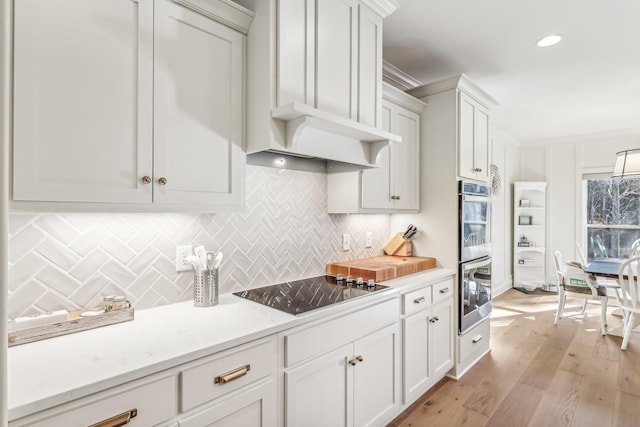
146 180
162 181
352 362
477 170
359 358
395 197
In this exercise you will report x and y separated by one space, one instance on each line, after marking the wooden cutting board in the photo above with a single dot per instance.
381 268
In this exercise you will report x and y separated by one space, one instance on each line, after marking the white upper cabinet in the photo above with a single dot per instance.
473 155
128 105
461 110
393 186
198 103
315 79
83 100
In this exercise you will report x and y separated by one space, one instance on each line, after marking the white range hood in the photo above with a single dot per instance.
309 132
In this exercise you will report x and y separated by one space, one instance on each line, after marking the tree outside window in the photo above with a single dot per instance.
612 217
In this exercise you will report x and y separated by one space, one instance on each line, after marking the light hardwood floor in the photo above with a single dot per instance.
539 374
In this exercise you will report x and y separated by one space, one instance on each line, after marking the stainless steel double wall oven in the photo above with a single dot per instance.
474 271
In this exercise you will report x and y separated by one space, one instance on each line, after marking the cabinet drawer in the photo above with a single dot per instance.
442 290
474 342
153 402
416 300
224 372
301 344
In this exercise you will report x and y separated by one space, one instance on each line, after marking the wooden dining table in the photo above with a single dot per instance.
609 268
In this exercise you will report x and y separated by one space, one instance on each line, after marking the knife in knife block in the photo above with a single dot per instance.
398 246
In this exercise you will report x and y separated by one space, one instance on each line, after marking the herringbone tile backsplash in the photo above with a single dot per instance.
69 261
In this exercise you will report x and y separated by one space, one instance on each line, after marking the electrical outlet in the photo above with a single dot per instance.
368 239
182 252
346 242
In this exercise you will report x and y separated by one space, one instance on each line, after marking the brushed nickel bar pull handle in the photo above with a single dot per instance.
419 300
232 375
118 420
477 339
444 290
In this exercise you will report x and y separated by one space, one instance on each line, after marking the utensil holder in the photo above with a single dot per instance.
205 288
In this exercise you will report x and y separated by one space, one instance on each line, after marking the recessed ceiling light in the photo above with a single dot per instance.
549 40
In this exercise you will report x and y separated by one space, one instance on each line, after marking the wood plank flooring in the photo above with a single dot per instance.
539 374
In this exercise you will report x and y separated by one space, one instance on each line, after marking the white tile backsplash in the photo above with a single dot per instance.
71 260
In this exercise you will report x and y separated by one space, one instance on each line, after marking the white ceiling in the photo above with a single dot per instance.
587 84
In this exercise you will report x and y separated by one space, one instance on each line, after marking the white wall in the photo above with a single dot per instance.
504 154
561 164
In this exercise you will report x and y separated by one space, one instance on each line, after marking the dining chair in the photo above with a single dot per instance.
574 282
629 295
635 249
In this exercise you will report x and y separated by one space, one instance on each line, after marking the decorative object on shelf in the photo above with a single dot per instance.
524 220
524 242
496 180
524 203
627 164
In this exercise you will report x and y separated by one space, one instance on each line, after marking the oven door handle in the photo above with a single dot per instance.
477 264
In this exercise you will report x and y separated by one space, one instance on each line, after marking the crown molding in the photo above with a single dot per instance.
383 8
398 78
460 81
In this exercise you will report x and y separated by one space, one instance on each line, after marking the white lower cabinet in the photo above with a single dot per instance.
472 346
253 407
427 338
145 402
236 387
352 384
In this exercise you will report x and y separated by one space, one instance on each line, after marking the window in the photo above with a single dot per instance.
612 213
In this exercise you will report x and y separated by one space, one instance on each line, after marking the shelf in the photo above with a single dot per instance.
537 249
530 265
531 208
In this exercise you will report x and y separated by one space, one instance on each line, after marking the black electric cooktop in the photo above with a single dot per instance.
301 296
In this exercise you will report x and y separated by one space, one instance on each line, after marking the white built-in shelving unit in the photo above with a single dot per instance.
529 230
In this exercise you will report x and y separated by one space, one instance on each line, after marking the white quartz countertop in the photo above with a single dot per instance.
51 372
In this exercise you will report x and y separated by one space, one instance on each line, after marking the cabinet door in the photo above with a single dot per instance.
473 139
295 53
442 334
376 185
481 143
416 369
82 100
336 56
254 407
198 114
369 66
405 159
375 377
320 392
466 134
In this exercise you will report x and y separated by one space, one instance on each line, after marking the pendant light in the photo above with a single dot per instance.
627 164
